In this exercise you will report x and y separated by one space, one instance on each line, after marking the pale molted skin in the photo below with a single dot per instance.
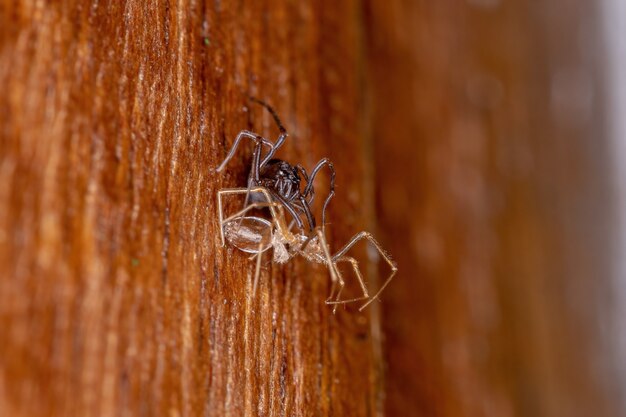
248 234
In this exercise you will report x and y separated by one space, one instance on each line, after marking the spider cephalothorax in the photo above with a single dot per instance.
281 177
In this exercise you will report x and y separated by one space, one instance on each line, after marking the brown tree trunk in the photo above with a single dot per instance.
459 138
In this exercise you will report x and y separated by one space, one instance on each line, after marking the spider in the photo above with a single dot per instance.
280 178
275 184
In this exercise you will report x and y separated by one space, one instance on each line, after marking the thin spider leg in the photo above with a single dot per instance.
257 270
380 290
304 207
335 275
254 171
249 207
220 208
331 192
385 255
221 215
297 206
303 172
283 132
272 112
278 144
308 239
241 135
276 210
307 213
335 304
234 191
288 206
311 196
357 272
306 178
254 176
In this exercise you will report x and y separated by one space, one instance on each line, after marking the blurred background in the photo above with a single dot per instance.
482 141
505 198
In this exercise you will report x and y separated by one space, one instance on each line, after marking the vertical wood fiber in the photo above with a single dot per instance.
468 135
115 297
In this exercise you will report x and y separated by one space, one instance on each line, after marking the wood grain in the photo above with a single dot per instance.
116 298
501 215
468 135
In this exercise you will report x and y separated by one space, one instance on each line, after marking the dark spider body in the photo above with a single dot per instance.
280 178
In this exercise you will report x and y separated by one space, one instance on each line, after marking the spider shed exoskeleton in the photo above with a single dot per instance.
280 187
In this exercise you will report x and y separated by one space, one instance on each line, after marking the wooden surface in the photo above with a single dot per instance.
502 216
116 298
467 135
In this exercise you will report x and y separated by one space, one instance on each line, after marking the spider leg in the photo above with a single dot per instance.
357 272
234 191
385 255
256 164
257 270
331 193
303 172
254 176
304 207
291 225
311 196
306 178
220 209
307 211
283 132
249 207
335 275
278 144
289 208
243 134
279 226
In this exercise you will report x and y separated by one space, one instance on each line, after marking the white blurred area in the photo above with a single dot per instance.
614 24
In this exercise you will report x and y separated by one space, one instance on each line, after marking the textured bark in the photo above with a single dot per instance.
116 298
